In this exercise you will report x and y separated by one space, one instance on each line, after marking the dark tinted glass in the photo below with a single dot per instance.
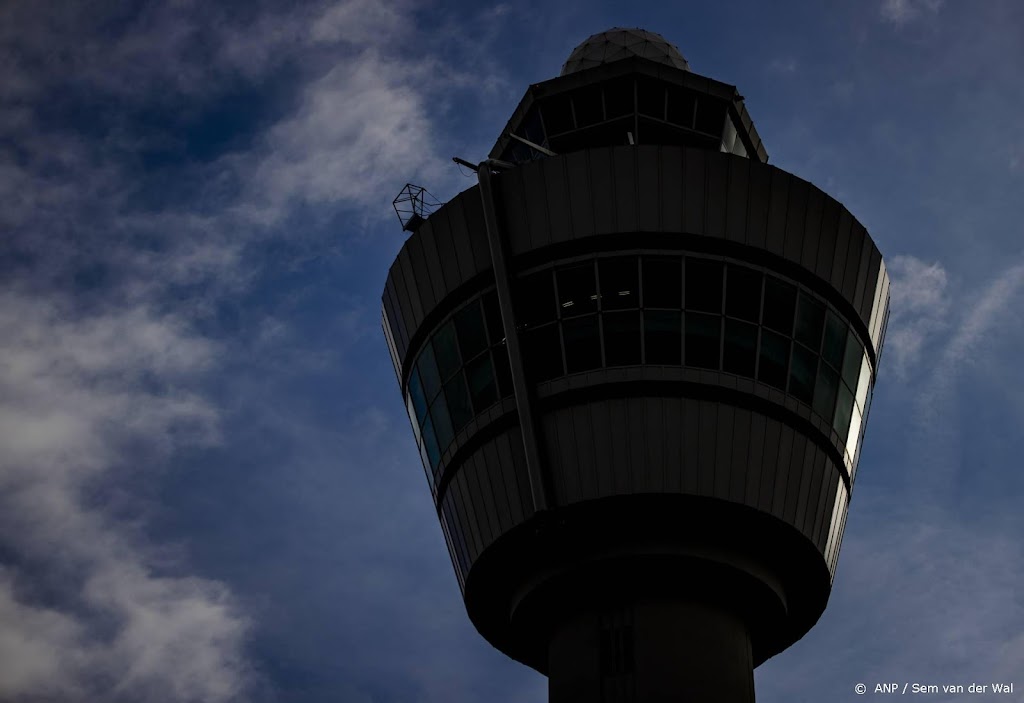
802 373
663 283
492 313
710 115
469 328
825 391
442 423
851 361
542 353
779 304
680 106
835 341
844 410
483 390
557 114
428 373
582 344
810 321
419 401
618 97
445 351
502 372
773 364
458 401
704 285
650 97
532 128
430 442
743 293
740 349
587 105
577 290
619 284
535 299
703 340
622 338
663 337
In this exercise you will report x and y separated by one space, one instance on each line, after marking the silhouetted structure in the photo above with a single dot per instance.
638 373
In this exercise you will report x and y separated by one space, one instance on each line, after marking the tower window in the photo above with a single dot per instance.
622 338
577 290
743 293
619 283
662 283
582 344
703 285
703 340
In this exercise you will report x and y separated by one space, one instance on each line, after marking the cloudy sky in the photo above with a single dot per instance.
209 490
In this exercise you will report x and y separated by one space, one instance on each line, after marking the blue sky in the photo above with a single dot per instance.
208 486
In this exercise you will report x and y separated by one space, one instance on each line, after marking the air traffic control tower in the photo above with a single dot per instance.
638 361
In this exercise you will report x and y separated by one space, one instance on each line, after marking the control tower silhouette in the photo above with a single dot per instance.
638 361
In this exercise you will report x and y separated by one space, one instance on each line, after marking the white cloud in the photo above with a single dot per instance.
75 392
981 315
358 130
100 391
920 307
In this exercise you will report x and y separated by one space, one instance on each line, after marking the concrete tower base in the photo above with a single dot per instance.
652 652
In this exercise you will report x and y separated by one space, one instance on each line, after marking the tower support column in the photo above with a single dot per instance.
652 652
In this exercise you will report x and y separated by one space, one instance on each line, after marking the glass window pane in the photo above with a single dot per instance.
458 401
442 423
743 293
703 340
619 283
710 115
740 349
663 337
535 299
779 304
810 320
622 338
428 373
430 443
835 341
663 283
492 313
542 353
852 361
773 364
415 421
445 351
802 373
577 290
650 97
863 382
844 409
704 285
469 328
582 344
502 371
825 391
557 113
853 436
483 390
618 97
587 105
680 106
419 401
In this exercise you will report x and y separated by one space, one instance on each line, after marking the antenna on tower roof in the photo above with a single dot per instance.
414 205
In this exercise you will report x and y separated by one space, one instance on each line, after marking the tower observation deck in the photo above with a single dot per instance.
638 361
